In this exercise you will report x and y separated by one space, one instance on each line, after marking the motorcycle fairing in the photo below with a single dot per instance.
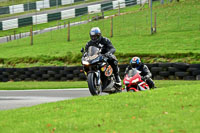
142 86
109 86
134 82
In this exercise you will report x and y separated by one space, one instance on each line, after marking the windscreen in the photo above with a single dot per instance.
93 51
132 72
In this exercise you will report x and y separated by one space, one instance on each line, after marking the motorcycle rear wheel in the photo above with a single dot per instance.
92 80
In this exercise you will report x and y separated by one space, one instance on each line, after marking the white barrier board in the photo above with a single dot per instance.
118 3
39 19
68 14
16 8
10 24
42 4
66 2
94 8
142 1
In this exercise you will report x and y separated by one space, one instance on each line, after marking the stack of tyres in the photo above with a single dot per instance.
160 71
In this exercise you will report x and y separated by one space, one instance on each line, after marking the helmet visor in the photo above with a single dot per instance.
134 64
94 37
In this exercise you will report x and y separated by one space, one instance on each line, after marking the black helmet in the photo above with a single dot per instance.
135 62
95 34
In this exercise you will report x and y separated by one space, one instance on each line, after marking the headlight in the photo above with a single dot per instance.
136 80
85 63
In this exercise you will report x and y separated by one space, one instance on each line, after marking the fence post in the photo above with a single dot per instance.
161 2
56 3
118 7
13 6
31 34
51 33
28 5
102 13
149 3
68 35
155 23
20 35
111 27
64 24
151 18
14 35
88 17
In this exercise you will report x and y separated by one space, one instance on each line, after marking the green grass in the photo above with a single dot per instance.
42 85
169 109
177 39
75 84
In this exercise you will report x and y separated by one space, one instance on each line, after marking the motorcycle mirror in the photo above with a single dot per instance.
82 50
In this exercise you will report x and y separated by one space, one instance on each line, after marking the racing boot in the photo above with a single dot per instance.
118 84
115 67
118 80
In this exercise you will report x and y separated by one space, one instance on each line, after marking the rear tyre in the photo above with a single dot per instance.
93 88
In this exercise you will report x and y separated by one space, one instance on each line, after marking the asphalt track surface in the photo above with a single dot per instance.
12 99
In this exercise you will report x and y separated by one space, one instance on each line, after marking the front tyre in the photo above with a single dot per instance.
92 84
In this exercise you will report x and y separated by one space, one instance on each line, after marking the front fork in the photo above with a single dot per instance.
97 73
98 77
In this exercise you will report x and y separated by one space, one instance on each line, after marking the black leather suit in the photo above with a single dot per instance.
106 46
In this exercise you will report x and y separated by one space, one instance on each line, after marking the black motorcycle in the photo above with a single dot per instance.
99 73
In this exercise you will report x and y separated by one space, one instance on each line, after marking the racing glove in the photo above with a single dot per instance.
85 54
108 54
144 78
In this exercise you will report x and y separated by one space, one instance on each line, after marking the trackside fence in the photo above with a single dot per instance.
39 18
42 4
166 21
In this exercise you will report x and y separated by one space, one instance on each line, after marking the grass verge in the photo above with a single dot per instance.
42 85
169 109
76 84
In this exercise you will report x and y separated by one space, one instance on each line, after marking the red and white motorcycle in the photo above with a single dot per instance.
133 81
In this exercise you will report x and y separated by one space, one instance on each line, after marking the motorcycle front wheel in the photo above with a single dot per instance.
92 84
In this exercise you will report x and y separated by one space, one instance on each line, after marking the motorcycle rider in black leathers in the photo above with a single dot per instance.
145 72
107 49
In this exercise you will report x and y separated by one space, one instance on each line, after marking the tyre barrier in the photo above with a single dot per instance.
175 71
160 71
